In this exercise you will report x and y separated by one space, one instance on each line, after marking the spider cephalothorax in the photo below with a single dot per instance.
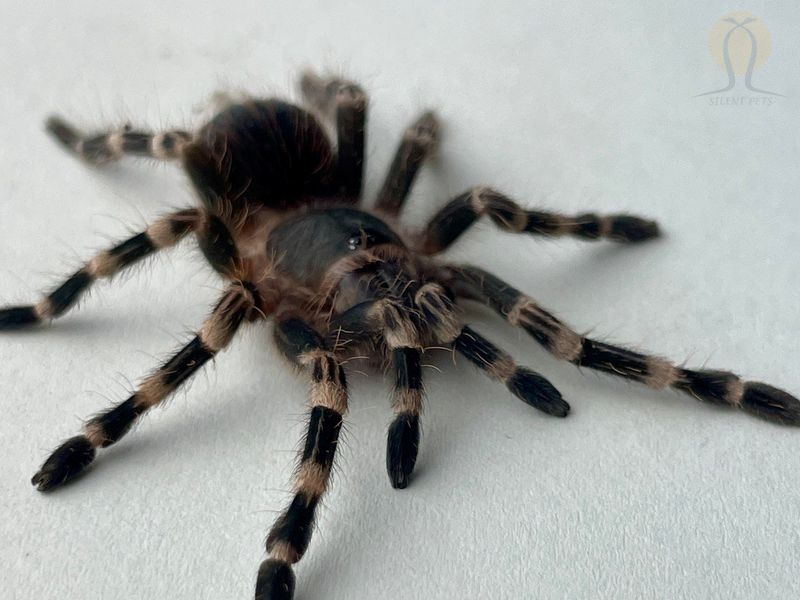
278 220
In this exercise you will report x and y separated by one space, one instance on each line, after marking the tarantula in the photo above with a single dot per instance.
279 220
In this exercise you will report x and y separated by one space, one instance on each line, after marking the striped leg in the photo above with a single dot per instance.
74 455
399 325
401 336
402 440
348 103
105 147
459 214
290 535
527 385
431 310
418 142
718 387
163 233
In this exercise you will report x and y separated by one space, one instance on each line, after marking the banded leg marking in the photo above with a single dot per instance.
163 233
525 384
105 429
407 318
402 323
98 149
402 440
459 215
718 387
291 534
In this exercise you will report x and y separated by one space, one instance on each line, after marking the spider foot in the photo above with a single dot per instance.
628 229
275 581
533 389
425 131
325 93
63 132
770 403
401 449
17 317
65 463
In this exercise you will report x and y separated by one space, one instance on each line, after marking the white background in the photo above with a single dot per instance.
637 494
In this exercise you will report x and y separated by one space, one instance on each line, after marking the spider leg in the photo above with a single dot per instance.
715 386
431 318
290 535
402 321
461 212
418 142
525 384
108 427
113 145
348 104
367 317
391 320
402 439
163 233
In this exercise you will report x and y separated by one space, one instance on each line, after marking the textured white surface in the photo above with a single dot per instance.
636 495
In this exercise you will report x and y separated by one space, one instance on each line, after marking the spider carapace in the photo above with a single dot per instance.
278 219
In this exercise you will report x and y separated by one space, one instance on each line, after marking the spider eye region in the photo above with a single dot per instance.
312 241
362 240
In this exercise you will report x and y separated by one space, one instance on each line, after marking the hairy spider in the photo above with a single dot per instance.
278 220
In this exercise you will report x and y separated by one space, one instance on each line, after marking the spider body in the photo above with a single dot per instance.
308 244
260 153
278 219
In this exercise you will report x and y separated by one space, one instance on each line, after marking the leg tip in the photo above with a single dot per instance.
425 131
533 389
770 403
350 95
632 230
324 93
275 581
402 446
17 317
399 479
310 83
650 230
67 461
62 131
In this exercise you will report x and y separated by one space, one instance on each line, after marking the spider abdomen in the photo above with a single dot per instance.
260 153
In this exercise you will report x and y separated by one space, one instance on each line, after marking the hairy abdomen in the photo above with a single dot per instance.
260 153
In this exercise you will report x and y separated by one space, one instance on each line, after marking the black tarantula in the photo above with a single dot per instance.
279 221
